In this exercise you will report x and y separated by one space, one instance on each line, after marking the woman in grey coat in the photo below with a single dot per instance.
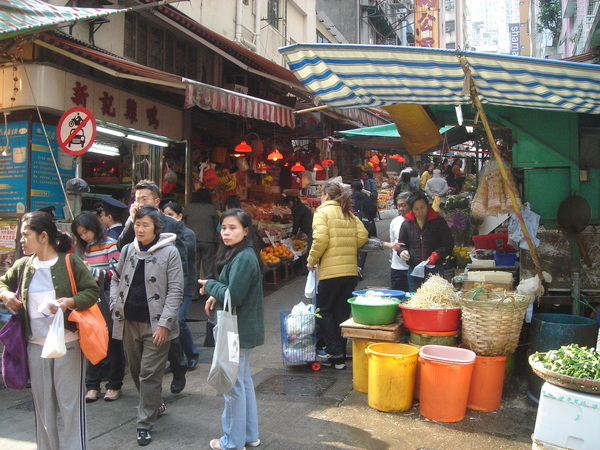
145 294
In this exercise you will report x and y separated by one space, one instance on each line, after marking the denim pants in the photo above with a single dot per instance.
240 416
185 335
415 283
399 279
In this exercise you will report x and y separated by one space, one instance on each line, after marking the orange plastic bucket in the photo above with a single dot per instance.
444 381
485 393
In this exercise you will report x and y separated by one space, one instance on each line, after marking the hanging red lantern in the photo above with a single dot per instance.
317 167
275 155
298 168
327 162
242 147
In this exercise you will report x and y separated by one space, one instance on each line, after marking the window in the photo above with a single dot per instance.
321 39
273 13
450 26
155 47
449 5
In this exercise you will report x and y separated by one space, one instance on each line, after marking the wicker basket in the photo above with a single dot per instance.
558 379
492 321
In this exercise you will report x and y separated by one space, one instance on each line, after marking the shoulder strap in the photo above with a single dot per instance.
70 272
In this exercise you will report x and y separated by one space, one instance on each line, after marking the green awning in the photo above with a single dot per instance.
26 16
381 137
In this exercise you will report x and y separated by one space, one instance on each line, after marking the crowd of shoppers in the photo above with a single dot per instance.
144 274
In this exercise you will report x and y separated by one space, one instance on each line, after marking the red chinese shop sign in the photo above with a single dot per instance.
427 23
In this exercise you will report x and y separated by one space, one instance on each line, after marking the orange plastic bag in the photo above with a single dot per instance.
93 332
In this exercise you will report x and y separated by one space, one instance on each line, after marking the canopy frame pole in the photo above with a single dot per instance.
496 153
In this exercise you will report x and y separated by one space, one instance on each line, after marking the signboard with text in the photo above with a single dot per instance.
13 167
514 31
46 186
427 23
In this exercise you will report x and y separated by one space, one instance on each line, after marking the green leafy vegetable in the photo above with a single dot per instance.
572 360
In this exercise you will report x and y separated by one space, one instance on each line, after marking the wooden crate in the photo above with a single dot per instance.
386 333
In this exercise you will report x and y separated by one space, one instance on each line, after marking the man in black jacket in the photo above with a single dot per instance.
147 193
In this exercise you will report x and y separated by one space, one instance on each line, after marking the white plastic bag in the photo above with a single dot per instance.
310 290
301 321
419 270
226 358
54 347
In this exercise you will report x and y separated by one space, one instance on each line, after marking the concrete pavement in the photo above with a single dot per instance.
298 408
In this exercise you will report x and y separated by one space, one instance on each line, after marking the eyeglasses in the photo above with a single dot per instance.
100 213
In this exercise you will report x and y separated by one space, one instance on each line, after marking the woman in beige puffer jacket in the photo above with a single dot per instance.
337 236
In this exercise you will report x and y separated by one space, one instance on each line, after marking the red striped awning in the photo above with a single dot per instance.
217 99
196 94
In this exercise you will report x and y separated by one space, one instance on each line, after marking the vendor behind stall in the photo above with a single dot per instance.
302 216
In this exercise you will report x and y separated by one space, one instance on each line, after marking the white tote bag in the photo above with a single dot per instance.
54 347
226 358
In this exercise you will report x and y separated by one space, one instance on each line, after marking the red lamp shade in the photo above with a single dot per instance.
298 168
317 167
242 147
327 162
401 159
275 155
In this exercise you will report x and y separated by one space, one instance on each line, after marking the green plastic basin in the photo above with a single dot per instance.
374 314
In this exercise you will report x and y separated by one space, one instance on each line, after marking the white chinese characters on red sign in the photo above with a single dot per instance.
76 131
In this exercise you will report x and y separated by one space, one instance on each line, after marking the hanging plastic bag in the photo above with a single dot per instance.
15 368
226 358
310 289
242 164
208 175
54 347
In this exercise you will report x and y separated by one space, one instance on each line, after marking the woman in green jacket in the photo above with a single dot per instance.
337 236
57 384
240 272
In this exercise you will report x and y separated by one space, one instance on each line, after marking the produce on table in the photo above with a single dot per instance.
273 254
572 360
375 301
299 245
435 293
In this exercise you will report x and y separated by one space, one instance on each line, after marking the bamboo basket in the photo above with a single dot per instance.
492 320
558 379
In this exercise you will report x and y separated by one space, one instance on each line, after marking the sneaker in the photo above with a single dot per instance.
323 356
112 395
256 443
161 409
322 353
92 395
143 437
333 365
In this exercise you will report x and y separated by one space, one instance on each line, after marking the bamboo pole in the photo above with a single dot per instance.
496 153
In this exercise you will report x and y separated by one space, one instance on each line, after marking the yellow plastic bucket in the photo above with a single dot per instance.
360 364
392 369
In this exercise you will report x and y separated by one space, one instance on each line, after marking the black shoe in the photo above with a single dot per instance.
192 363
178 383
143 437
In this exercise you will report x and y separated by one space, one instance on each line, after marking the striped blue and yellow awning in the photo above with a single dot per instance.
355 76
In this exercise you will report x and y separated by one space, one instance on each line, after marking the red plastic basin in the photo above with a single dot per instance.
419 319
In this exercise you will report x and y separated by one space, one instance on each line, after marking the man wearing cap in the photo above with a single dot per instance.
110 213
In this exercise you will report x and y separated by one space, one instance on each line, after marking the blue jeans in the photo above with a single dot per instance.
415 283
240 416
399 279
185 335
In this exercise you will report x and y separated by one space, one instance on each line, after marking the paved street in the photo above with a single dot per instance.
298 408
